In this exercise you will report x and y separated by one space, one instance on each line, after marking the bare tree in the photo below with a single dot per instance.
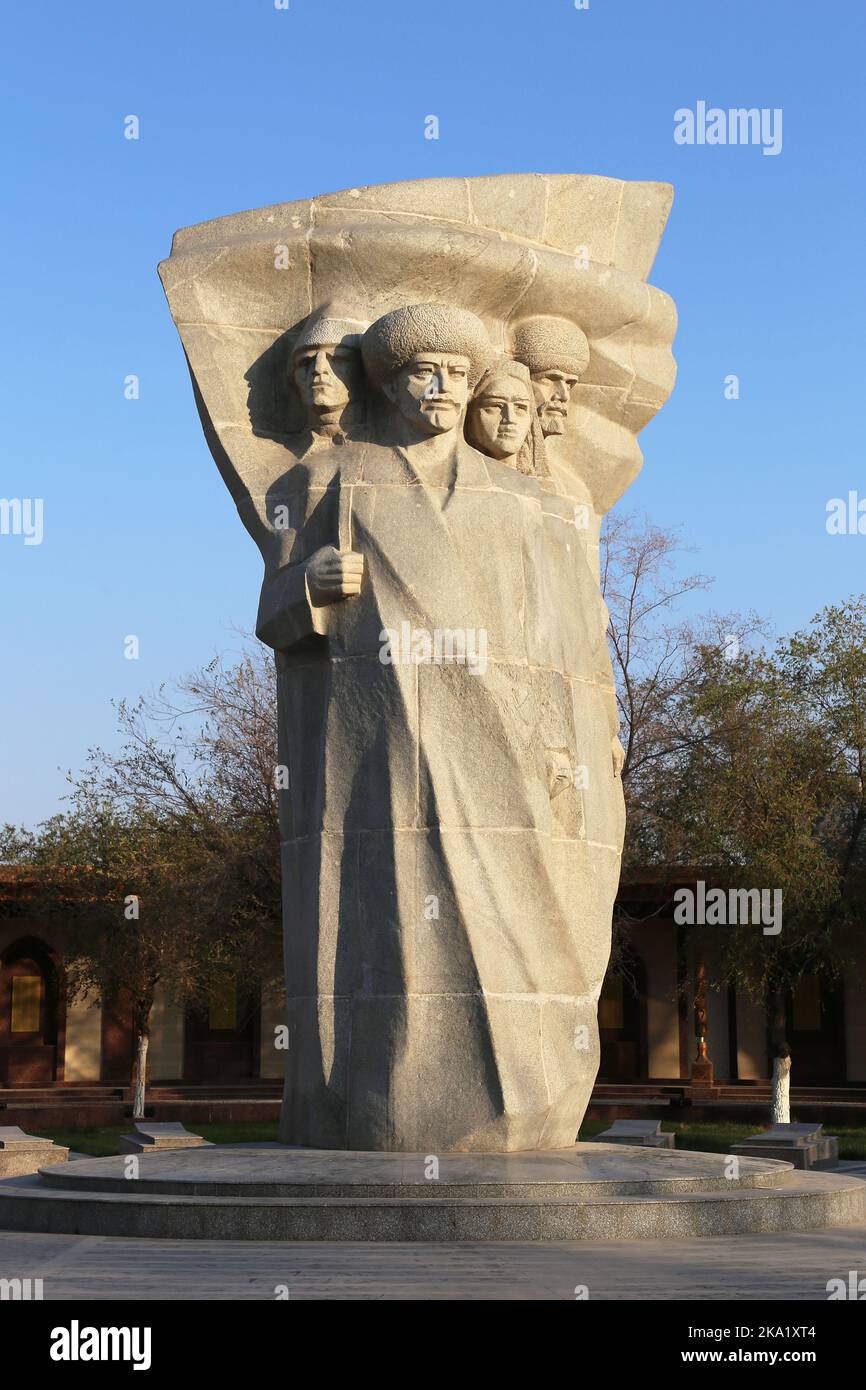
656 654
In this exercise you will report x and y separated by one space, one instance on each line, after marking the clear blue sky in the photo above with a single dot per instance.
242 104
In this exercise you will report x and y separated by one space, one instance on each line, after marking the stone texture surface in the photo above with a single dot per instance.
22 1153
591 1192
647 1133
16 1162
453 821
751 1268
154 1137
583 1170
804 1145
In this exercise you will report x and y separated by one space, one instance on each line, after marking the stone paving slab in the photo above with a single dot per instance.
789 1267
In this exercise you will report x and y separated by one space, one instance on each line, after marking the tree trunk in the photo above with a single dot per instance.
781 1110
142 1041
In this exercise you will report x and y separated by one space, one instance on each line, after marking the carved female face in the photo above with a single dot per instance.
500 418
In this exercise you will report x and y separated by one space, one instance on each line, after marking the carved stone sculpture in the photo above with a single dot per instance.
557 354
327 372
503 421
453 821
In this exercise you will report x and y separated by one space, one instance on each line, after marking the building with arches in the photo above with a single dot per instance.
647 1030
48 1040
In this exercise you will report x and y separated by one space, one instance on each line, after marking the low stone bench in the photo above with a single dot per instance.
801 1144
22 1153
157 1138
647 1133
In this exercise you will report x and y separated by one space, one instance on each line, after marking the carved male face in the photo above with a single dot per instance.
431 391
328 377
552 395
500 417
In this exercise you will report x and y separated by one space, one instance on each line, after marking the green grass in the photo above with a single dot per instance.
99 1140
709 1138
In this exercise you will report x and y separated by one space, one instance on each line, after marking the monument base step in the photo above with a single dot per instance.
270 1192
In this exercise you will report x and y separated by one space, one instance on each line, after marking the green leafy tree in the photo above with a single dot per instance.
768 794
165 869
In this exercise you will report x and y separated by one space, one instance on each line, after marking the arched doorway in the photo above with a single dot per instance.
31 1015
622 1021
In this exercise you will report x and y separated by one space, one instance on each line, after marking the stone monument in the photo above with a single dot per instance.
423 397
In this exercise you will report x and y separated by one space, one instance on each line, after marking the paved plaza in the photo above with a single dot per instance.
748 1268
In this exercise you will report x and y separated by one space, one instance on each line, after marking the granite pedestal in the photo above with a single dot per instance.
156 1138
271 1192
22 1153
647 1133
803 1145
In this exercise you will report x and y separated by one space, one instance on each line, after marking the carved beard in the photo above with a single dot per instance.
552 421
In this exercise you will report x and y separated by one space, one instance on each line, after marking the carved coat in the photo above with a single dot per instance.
451 830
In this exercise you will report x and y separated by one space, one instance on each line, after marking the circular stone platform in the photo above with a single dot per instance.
270 1192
